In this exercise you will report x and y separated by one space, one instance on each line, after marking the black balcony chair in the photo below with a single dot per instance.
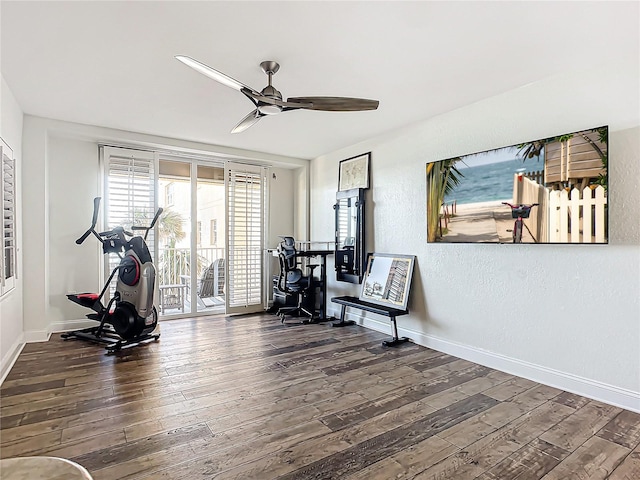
293 282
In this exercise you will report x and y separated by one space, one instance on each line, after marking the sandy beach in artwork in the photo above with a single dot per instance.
484 222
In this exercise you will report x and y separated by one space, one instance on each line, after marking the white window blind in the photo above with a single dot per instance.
245 237
129 192
8 200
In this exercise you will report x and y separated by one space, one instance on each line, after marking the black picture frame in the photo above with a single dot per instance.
354 172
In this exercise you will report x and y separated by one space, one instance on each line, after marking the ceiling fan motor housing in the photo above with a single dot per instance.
266 108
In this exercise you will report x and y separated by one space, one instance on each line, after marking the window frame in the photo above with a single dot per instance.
8 196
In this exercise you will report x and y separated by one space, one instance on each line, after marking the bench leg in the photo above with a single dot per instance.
395 340
342 322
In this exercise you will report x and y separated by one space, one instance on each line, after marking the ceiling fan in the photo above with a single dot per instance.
269 100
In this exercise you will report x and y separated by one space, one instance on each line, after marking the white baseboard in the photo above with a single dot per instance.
69 325
10 358
33 336
619 397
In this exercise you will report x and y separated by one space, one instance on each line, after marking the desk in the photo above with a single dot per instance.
172 296
322 283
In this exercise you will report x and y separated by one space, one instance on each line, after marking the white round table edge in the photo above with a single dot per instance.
42 468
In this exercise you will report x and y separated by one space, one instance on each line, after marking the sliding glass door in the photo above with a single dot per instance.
191 261
209 238
209 246
177 261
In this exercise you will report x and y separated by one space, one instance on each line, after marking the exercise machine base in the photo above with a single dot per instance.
109 338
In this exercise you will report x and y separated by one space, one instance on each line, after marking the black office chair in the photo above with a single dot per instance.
292 281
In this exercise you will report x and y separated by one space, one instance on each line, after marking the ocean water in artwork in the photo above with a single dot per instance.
491 181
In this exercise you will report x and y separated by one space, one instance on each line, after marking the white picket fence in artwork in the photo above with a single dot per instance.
577 217
562 216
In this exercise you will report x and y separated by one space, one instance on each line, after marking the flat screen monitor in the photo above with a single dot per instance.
551 190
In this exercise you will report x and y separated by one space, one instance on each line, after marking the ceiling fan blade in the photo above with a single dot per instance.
215 74
247 121
336 104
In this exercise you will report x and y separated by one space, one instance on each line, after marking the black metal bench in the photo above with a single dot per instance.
390 312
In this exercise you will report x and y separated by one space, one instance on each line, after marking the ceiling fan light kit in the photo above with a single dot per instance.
269 100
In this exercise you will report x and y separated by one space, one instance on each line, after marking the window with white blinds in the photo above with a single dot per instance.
129 192
8 201
245 237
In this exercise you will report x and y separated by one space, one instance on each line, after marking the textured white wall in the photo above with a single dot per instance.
282 188
11 303
567 314
73 183
281 206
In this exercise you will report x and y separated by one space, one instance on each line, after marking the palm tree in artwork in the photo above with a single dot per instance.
442 178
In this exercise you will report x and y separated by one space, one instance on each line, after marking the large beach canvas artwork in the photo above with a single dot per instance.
479 198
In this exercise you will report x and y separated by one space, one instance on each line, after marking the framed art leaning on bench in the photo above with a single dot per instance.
385 291
387 280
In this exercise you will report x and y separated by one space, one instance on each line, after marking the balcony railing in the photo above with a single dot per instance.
173 271
174 264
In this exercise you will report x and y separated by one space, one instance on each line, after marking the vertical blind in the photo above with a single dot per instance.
8 200
246 197
129 192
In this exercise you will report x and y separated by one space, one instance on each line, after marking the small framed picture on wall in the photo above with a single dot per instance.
354 172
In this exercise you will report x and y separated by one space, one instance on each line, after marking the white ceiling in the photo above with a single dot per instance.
112 64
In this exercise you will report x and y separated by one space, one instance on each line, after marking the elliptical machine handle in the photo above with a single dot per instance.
153 222
146 229
84 236
155 219
96 208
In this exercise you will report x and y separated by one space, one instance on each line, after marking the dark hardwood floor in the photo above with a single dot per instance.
249 398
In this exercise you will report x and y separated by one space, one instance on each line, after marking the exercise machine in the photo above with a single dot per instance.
129 318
